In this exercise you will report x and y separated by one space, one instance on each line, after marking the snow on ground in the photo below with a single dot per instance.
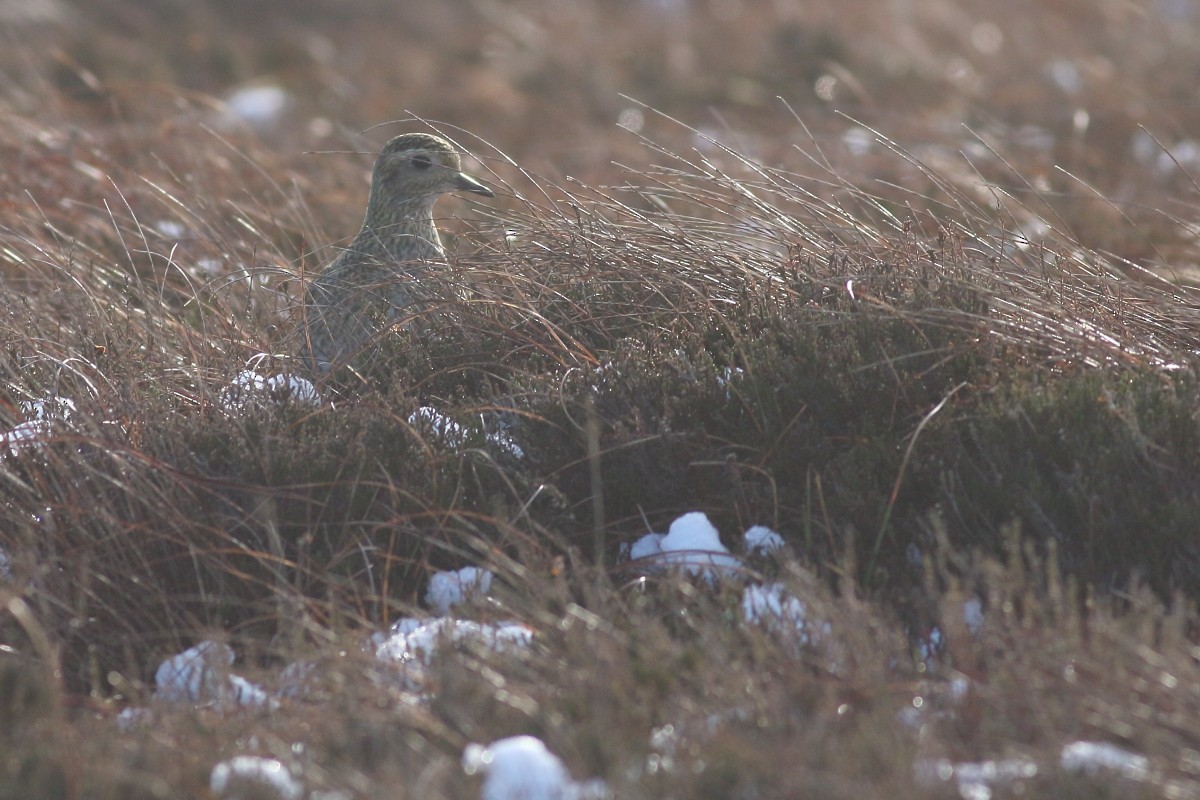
258 105
933 641
447 589
42 417
976 780
246 777
973 615
421 643
248 390
412 644
648 547
455 435
979 780
201 675
692 544
1093 758
759 540
297 679
170 229
521 768
778 611
134 717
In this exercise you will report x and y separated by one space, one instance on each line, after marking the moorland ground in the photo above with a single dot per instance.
911 284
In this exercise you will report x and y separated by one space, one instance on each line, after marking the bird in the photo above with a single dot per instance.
378 276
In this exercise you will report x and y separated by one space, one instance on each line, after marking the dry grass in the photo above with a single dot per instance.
944 342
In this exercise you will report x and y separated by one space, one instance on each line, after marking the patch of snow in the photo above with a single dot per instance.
779 611
195 675
725 380
246 777
245 384
170 228
208 266
974 780
691 543
694 544
297 678
421 643
1094 757
26 436
244 693
455 435
858 140
931 644
760 540
201 674
412 650
293 387
257 105
973 615
631 119
428 418
41 418
521 768
406 625
448 589
649 546
51 408
134 717
249 389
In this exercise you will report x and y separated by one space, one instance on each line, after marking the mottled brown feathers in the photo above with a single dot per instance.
379 275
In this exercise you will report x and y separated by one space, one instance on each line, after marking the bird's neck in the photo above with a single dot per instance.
402 231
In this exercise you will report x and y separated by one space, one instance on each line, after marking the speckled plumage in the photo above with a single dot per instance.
378 276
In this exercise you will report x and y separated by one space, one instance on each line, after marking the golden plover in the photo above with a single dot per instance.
362 291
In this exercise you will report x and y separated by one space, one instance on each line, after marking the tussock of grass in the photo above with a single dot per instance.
859 384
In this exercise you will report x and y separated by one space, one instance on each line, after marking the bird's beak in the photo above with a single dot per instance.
466 183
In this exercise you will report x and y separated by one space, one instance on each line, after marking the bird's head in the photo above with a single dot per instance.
421 165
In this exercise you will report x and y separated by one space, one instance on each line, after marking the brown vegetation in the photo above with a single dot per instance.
911 285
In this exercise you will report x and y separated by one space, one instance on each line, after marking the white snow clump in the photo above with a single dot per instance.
759 540
1094 757
254 777
974 780
521 768
448 589
691 543
41 418
201 674
248 389
773 607
456 435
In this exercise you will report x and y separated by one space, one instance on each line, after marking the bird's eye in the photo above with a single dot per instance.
421 161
